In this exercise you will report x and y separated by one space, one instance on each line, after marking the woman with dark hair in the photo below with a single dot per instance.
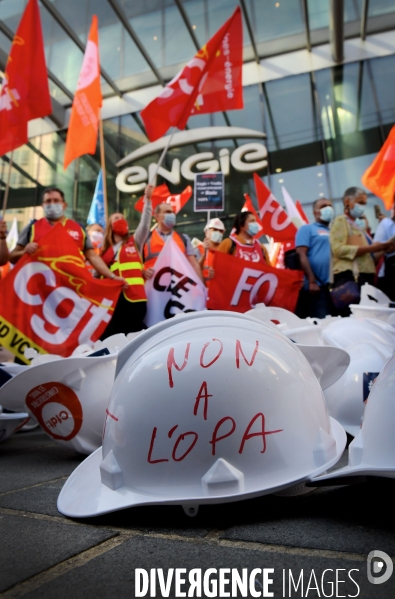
122 254
241 242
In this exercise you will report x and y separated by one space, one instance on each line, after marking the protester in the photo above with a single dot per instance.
95 233
54 207
166 220
122 253
352 247
4 254
214 231
313 248
241 243
386 275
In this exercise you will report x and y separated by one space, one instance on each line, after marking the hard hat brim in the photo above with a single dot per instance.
85 496
9 423
337 477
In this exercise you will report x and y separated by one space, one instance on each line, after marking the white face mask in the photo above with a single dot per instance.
216 236
96 238
53 211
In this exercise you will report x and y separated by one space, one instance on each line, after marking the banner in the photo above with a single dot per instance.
175 287
51 303
210 82
25 92
162 195
239 285
274 219
96 214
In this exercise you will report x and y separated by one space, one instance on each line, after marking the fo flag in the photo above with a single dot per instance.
25 93
275 221
84 121
210 82
51 302
380 176
175 287
239 285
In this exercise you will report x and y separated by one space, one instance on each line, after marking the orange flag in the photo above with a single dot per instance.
84 120
380 176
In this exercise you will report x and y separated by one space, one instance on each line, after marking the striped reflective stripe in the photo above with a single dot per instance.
135 280
126 266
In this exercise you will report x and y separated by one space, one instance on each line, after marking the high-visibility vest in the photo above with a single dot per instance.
250 253
127 264
43 226
155 244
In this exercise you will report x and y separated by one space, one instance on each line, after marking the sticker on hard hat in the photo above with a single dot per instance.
368 382
57 409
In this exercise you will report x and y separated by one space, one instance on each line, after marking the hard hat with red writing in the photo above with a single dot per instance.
284 319
67 396
208 407
10 423
215 223
372 452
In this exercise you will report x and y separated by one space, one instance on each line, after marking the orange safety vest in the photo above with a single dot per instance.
127 264
43 226
154 245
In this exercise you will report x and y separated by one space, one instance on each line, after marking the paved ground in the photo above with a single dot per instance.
44 555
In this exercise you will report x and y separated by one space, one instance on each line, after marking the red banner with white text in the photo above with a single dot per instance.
238 285
51 302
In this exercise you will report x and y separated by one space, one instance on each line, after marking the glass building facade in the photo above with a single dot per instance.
323 125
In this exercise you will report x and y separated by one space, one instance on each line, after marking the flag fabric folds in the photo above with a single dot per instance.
96 212
380 176
274 219
25 92
210 82
85 111
50 301
12 237
161 194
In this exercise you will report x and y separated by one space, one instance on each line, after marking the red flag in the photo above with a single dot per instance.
51 302
239 285
249 207
85 111
274 219
380 176
210 82
25 93
162 194
302 213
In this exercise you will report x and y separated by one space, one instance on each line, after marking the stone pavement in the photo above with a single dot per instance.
45 555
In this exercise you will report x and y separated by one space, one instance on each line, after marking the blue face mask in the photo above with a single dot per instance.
253 229
170 220
360 222
357 211
327 214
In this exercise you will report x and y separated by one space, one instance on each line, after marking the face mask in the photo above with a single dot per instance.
53 211
216 236
360 222
96 238
357 211
253 229
327 214
120 227
170 220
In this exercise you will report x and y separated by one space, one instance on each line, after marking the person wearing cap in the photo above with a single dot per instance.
122 254
54 207
4 253
241 243
314 251
166 220
214 231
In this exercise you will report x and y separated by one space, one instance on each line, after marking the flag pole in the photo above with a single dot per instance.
162 156
7 188
103 168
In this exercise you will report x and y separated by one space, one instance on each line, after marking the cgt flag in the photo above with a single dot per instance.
84 121
161 194
380 176
51 302
274 219
25 93
175 287
239 285
210 82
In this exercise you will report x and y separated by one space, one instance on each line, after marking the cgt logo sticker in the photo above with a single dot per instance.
57 409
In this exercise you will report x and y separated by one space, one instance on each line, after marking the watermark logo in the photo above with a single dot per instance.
380 567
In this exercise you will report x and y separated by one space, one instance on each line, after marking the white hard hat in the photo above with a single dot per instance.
346 397
278 316
372 296
209 407
372 452
351 331
308 335
215 223
9 423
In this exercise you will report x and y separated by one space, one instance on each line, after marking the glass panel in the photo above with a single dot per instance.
383 71
380 7
319 12
272 20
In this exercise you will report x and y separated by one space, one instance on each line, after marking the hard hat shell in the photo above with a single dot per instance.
284 319
307 335
372 452
9 423
208 407
214 223
372 296
379 312
8 370
350 331
345 398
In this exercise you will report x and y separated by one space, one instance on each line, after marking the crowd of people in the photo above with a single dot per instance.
337 254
